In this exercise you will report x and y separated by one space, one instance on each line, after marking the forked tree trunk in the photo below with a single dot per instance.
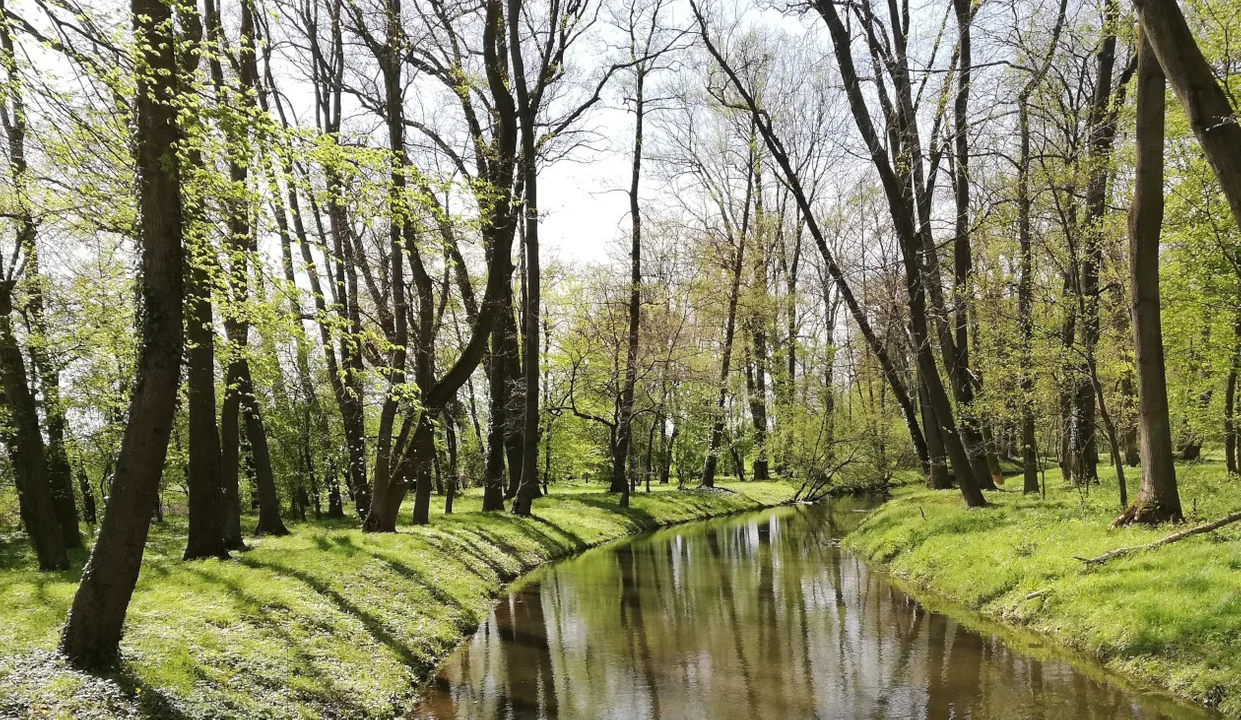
913 258
241 241
1158 500
93 629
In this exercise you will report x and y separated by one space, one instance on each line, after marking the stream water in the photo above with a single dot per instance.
755 616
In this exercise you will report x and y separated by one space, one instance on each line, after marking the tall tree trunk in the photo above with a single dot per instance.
241 241
230 462
335 504
1102 134
59 474
1158 500
93 629
963 260
776 147
914 260
758 334
493 474
389 58
528 490
624 428
269 522
206 534
89 508
514 411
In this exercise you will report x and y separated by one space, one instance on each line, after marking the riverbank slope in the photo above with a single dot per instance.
1170 617
327 622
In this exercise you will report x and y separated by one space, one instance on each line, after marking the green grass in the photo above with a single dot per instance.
325 622
1169 617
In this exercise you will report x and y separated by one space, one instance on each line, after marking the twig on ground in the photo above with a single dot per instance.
1188 532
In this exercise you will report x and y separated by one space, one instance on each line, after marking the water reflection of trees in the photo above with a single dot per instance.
763 618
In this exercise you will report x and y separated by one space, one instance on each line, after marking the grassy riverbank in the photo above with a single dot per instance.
325 622
1169 617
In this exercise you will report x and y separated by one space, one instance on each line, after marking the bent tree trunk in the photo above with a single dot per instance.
93 628
1158 500
1204 102
776 147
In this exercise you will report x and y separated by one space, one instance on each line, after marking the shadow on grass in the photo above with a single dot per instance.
151 702
374 625
330 694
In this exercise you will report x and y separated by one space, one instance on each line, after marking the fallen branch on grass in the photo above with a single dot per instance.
1196 530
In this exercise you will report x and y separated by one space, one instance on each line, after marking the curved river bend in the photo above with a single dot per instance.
755 616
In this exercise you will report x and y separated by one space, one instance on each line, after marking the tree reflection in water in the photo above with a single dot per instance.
762 616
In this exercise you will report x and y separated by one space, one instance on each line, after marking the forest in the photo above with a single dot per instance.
278 275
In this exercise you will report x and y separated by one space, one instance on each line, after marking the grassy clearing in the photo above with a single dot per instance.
327 622
1170 617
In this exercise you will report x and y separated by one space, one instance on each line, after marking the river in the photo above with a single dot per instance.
761 615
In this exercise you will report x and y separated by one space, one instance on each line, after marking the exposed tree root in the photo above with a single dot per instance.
1196 530
1147 512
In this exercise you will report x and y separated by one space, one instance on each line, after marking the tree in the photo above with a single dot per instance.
92 631
1158 500
206 535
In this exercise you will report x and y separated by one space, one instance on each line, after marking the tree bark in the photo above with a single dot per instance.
1158 500
937 478
93 629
